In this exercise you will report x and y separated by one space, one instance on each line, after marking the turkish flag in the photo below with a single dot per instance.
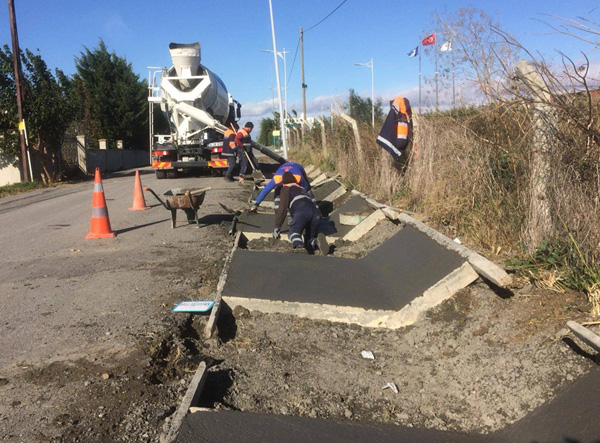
429 40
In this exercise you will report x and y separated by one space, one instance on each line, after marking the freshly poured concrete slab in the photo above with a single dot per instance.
571 416
249 427
333 228
323 191
259 223
320 192
268 198
400 270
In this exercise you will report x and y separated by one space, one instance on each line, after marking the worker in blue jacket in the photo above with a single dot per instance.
297 170
305 216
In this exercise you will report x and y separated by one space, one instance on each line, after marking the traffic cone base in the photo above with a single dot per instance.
139 202
100 226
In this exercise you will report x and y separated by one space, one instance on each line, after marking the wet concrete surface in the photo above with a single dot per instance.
332 225
258 222
323 191
247 427
389 278
570 417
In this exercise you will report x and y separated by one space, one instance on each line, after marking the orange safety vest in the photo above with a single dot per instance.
279 178
402 127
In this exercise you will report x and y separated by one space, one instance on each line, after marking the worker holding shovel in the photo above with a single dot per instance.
245 154
305 217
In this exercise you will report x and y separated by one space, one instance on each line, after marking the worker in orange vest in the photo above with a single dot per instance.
245 152
229 150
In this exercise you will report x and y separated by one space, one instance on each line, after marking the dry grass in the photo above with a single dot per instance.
470 174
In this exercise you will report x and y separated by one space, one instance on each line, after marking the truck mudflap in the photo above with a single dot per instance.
161 165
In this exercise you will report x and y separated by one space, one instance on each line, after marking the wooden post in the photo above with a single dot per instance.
323 137
539 221
19 87
356 134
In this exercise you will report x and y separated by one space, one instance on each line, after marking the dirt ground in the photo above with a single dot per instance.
476 363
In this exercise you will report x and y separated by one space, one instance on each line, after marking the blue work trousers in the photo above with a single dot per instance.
304 221
230 166
244 160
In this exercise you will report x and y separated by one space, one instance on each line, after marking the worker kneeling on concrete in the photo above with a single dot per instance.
297 170
305 216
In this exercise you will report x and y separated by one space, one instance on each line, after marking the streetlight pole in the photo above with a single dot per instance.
285 87
370 65
282 126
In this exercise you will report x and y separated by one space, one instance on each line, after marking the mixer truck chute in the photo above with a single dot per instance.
198 108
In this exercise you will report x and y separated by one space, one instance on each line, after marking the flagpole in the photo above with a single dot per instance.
453 88
420 50
436 73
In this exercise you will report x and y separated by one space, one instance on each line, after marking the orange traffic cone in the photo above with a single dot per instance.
139 202
100 222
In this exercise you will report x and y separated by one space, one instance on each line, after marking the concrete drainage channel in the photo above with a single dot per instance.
379 290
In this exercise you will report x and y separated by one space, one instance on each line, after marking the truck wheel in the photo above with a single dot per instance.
172 174
160 175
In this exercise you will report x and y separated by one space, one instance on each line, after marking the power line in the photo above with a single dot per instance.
312 27
328 15
294 62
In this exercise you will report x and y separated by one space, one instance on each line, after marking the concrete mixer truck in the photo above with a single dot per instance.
198 108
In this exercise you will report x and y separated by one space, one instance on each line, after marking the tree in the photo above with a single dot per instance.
112 99
49 109
360 108
479 54
267 126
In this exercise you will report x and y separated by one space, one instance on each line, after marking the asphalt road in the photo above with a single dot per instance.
64 297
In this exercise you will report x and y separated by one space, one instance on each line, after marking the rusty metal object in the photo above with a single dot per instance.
187 199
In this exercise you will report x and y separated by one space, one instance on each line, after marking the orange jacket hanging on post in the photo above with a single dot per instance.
396 131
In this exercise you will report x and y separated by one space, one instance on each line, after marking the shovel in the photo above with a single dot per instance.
256 173
234 221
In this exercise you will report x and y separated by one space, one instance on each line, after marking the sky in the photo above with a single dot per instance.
234 33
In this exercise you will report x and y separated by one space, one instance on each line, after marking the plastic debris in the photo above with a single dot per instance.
367 354
456 240
392 386
194 306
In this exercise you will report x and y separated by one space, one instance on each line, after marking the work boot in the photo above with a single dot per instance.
299 250
228 179
322 244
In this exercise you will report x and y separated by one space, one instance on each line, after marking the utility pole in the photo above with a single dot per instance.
282 125
19 87
303 84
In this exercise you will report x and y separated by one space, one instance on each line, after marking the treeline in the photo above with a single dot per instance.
104 99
